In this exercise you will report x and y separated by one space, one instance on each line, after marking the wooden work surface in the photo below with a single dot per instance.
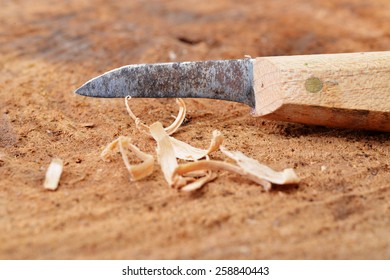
341 210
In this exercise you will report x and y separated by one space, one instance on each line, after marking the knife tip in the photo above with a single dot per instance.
90 89
81 91
77 91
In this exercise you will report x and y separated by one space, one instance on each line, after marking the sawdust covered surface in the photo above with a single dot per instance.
340 210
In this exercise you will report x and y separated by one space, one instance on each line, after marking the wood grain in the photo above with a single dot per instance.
339 90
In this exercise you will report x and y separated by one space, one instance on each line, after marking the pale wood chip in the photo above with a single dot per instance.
53 174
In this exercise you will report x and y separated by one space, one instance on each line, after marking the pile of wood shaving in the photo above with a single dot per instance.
199 168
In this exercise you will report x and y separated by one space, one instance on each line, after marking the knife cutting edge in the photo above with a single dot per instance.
338 90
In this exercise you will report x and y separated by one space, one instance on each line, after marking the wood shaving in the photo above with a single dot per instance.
215 165
179 118
136 171
165 153
197 184
53 174
252 166
172 128
193 175
188 152
168 162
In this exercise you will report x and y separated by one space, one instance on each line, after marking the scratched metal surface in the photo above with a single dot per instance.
220 79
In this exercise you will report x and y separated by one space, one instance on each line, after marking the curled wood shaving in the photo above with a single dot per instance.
165 154
179 118
215 165
136 171
53 174
168 162
172 128
252 166
188 152
197 184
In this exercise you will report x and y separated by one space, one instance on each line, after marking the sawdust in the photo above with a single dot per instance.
340 210
7 136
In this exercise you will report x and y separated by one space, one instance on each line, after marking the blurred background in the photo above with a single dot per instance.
102 34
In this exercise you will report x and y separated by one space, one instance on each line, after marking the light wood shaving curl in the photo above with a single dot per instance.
168 162
216 165
188 152
197 184
165 153
172 128
252 166
136 171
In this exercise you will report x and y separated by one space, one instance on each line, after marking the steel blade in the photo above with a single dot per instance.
220 79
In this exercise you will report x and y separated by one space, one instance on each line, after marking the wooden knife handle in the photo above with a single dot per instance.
339 90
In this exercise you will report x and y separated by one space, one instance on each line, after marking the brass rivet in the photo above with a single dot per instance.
313 85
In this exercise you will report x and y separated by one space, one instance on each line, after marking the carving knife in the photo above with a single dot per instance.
337 90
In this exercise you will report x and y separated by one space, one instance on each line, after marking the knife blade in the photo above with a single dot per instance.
337 90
